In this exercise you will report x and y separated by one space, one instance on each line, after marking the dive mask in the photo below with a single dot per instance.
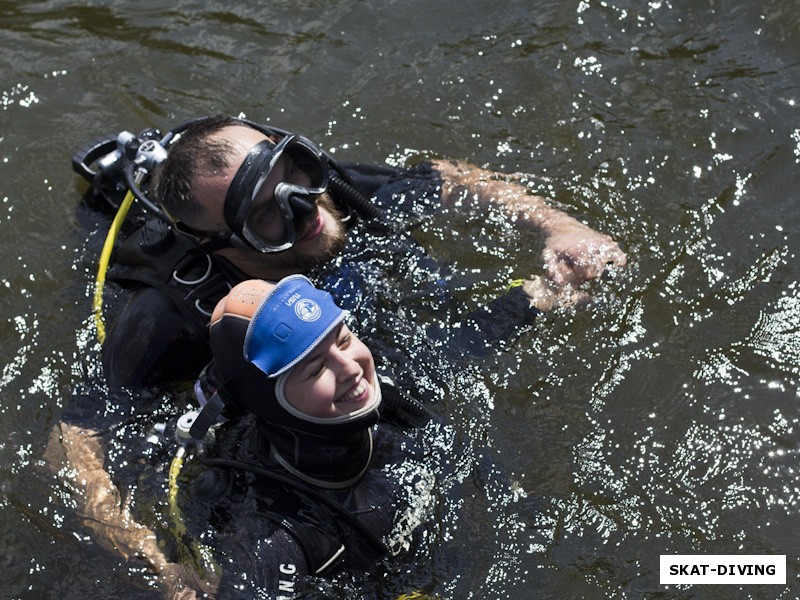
274 192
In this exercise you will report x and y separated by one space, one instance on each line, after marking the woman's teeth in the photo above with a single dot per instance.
354 393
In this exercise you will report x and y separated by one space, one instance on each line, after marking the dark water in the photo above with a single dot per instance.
662 419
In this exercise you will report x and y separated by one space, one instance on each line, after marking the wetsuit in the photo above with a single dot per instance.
160 313
376 462
273 540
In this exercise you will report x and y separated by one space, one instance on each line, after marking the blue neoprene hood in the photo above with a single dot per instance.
290 322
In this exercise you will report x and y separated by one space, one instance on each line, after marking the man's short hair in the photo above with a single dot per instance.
193 153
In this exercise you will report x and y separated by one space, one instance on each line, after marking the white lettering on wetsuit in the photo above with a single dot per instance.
286 585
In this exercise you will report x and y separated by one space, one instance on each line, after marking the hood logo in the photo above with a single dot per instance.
307 310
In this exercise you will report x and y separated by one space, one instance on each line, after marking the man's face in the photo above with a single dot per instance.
320 237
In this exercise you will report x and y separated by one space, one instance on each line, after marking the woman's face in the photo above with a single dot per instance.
336 379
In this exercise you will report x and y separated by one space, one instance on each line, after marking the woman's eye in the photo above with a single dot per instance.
344 342
318 370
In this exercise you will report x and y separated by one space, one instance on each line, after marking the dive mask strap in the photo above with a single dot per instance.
207 416
239 195
211 406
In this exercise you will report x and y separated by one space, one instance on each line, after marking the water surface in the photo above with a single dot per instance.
661 419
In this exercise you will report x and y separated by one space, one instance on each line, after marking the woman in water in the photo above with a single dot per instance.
304 480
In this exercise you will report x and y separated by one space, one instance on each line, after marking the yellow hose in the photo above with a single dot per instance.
174 470
191 552
102 267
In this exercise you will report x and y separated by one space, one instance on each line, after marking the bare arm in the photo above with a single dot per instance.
106 514
574 253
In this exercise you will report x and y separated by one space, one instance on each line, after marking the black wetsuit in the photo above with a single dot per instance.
272 540
160 313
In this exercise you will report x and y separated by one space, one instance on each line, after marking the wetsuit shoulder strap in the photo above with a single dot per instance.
156 256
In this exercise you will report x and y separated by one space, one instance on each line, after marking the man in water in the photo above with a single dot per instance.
258 205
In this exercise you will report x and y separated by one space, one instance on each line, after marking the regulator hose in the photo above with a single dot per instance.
133 188
353 198
102 267
192 553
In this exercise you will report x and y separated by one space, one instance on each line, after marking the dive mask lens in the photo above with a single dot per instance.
309 169
278 186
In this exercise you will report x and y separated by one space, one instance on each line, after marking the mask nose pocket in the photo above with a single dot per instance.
301 207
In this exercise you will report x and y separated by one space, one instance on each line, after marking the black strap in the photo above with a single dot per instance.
244 181
207 417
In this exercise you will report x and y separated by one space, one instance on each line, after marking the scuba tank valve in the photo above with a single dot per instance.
148 153
109 160
183 431
184 426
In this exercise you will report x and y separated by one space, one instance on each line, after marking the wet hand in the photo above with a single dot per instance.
546 296
575 253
